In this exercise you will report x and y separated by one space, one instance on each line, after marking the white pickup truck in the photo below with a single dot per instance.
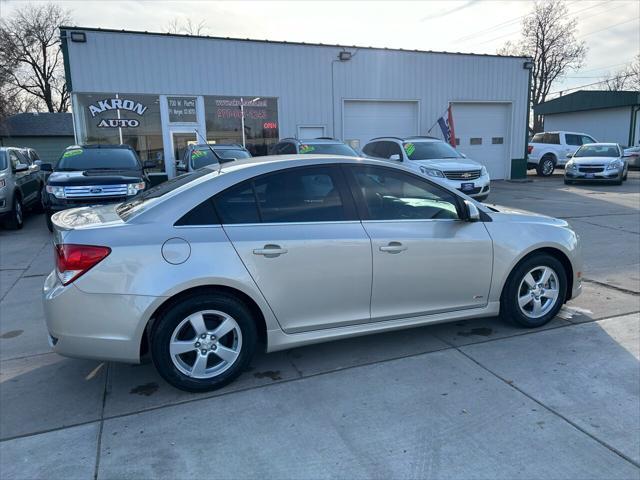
548 150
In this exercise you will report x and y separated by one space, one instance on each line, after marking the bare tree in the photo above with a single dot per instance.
626 79
187 27
548 37
30 55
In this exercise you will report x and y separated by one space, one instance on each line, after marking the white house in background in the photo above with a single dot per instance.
155 91
607 116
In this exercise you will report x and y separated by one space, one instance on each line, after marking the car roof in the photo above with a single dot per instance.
603 144
218 146
311 141
98 146
413 139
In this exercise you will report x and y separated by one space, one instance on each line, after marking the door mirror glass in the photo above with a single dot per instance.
473 214
395 157
46 167
21 167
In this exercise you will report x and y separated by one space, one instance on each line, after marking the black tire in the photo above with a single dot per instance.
619 181
626 174
38 205
170 320
546 166
511 311
49 221
15 218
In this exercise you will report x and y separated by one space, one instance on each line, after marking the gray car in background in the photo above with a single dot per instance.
279 252
603 162
202 155
20 186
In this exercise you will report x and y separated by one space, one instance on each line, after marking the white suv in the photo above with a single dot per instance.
436 159
548 150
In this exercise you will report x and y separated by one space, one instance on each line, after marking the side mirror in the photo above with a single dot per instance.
569 155
148 164
21 167
181 167
46 167
463 155
37 162
473 214
395 156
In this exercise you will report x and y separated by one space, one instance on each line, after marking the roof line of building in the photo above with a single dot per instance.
284 42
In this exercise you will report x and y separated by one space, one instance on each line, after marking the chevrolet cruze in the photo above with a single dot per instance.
280 252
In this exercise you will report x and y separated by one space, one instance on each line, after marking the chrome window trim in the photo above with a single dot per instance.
275 224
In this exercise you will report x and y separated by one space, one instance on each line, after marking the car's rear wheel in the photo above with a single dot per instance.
535 291
546 166
203 342
38 205
15 219
48 215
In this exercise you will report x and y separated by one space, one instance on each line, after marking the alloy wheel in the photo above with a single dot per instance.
18 212
547 167
205 344
538 292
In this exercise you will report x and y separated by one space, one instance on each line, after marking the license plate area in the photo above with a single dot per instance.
467 186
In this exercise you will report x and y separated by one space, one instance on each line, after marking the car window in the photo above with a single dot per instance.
369 149
288 149
3 160
300 195
429 150
14 159
587 139
573 139
237 204
538 138
552 138
203 214
98 159
328 148
393 195
597 151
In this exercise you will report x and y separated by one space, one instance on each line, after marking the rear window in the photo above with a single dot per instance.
552 138
98 159
328 148
538 138
149 197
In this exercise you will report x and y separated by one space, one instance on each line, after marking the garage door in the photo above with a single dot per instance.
364 120
482 130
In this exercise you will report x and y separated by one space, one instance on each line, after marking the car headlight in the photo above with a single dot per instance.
57 192
483 171
571 165
135 188
432 172
614 165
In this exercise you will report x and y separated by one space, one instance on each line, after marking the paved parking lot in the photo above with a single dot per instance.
472 399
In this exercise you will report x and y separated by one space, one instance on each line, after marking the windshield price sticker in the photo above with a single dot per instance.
409 148
71 153
197 154
306 148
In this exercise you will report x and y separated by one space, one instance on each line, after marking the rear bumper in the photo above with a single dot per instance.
101 327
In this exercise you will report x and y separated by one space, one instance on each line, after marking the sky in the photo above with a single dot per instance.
611 29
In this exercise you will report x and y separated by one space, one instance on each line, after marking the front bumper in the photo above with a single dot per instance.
54 204
481 187
605 175
101 327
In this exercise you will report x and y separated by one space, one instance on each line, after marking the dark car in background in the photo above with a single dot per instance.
20 186
325 145
201 155
88 175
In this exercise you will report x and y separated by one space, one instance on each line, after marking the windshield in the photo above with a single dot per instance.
203 157
98 159
597 151
146 198
3 160
329 148
430 151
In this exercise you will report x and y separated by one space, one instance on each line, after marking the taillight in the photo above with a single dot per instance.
530 149
72 261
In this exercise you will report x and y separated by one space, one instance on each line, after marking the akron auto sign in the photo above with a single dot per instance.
117 104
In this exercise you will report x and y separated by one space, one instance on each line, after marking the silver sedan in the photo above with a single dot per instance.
605 162
287 251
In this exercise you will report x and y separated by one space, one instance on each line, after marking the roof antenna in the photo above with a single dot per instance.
215 155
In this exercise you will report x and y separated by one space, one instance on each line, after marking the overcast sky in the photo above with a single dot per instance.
610 28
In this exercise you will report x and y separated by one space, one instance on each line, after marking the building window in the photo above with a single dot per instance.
497 140
475 141
122 118
225 115
457 141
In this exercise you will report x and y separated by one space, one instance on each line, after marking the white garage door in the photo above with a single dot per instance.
482 130
364 120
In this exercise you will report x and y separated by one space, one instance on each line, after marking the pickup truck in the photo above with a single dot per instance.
548 150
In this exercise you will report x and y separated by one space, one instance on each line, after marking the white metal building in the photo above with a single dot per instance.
154 91
604 115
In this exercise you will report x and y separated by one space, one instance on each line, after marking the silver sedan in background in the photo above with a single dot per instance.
597 162
286 251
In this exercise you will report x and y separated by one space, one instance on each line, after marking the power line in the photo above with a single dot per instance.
594 83
607 66
609 27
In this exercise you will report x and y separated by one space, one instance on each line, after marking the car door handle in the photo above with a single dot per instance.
270 251
393 247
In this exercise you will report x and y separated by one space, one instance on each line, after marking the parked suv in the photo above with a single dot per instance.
323 145
93 174
548 150
20 186
198 156
432 157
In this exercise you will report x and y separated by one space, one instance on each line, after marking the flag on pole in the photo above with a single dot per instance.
446 125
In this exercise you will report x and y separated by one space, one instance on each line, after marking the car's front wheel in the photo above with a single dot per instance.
546 166
15 218
535 291
203 342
